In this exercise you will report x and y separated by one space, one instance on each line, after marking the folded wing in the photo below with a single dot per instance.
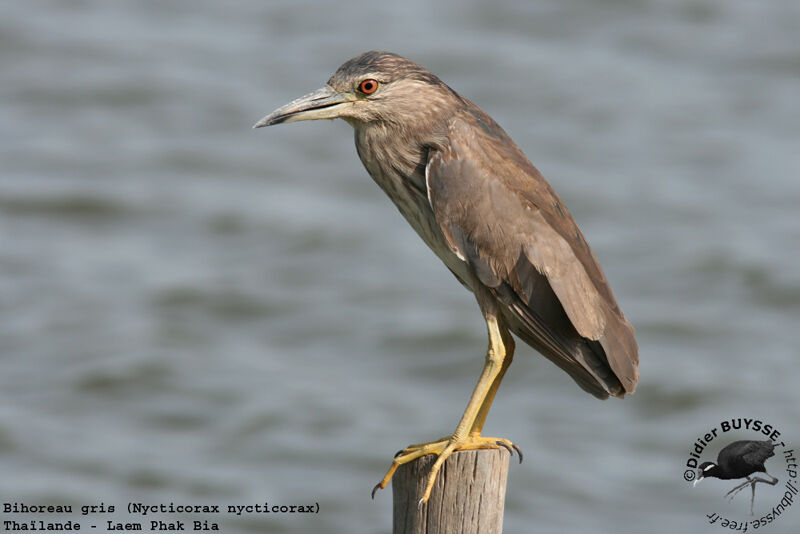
500 216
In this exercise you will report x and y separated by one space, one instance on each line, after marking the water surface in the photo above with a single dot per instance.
192 311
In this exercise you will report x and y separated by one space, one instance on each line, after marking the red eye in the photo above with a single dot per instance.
368 86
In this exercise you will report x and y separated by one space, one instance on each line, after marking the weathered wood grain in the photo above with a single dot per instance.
468 497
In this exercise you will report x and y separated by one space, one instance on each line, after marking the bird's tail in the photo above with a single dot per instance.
582 359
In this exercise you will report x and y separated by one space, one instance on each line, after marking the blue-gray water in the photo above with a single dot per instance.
196 312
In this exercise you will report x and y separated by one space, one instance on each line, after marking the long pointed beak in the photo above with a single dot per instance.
324 103
697 481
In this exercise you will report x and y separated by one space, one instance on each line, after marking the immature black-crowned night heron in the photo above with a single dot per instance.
484 209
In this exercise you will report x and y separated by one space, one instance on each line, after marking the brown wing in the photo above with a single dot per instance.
500 215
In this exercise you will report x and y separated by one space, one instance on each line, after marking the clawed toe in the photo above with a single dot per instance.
442 448
510 447
506 446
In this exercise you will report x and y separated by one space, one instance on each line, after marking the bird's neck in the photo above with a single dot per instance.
716 472
394 156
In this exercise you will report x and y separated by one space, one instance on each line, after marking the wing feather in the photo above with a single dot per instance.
757 453
499 214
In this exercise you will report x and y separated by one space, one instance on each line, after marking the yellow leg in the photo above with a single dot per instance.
508 343
467 434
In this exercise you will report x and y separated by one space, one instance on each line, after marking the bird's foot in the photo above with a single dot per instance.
443 448
735 491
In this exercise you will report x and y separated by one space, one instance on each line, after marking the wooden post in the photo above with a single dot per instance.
468 496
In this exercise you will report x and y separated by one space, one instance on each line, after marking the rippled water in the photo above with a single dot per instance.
196 312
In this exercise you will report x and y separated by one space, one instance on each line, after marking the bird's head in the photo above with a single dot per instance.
370 88
706 469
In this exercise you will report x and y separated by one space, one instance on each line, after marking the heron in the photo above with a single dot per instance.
490 216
